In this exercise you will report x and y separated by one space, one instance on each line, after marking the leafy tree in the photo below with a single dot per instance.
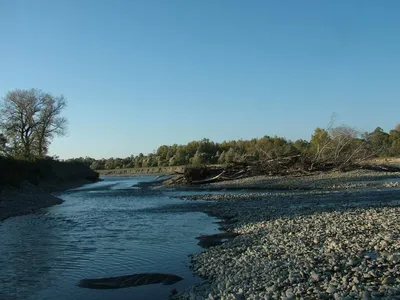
180 157
394 142
199 158
30 119
150 161
222 158
97 165
379 141
162 152
320 145
302 146
138 162
109 164
230 156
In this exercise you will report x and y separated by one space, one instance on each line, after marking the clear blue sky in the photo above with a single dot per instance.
139 74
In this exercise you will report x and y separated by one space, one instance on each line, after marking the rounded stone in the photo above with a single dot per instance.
331 290
389 280
366 295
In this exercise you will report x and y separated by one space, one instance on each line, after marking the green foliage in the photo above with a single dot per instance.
394 142
379 141
334 145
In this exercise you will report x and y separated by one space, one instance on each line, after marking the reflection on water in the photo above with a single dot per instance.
101 230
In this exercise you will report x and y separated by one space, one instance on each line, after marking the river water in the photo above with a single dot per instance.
106 229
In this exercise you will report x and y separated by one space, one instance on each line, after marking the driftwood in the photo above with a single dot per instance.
209 180
295 165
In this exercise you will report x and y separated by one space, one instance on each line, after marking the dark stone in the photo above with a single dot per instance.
174 292
129 281
207 241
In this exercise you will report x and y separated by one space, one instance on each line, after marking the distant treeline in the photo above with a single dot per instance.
338 145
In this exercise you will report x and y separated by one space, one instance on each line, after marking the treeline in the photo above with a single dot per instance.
336 145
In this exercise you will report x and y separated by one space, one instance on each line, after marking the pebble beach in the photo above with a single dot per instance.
327 243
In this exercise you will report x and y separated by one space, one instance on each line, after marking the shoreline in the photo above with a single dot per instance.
335 244
29 198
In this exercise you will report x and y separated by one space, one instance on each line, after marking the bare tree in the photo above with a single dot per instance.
29 119
339 146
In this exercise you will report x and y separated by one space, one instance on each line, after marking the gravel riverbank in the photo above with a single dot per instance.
335 244
321 181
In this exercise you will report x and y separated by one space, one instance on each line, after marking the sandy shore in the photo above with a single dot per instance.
334 243
30 198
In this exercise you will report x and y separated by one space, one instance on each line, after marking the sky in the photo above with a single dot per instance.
143 73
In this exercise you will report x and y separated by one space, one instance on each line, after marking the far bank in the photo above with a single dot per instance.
142 171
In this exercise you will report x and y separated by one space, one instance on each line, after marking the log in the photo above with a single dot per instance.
209 180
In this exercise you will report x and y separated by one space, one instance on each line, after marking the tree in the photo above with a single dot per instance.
222 158
30 119
230 156
320 145
50 122
301 145
348 145
394 142
379 141
97 165
3 145
109 164
180 156
198 158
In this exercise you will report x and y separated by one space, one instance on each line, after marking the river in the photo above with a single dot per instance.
106 229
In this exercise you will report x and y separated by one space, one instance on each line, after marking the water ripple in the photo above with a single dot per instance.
101 230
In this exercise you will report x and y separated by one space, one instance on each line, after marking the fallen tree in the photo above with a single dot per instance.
284 166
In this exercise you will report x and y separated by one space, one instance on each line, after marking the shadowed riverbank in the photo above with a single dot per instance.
27 186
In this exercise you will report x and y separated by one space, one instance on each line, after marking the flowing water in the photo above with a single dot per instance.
110 228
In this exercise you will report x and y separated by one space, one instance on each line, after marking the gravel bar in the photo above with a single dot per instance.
328 245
